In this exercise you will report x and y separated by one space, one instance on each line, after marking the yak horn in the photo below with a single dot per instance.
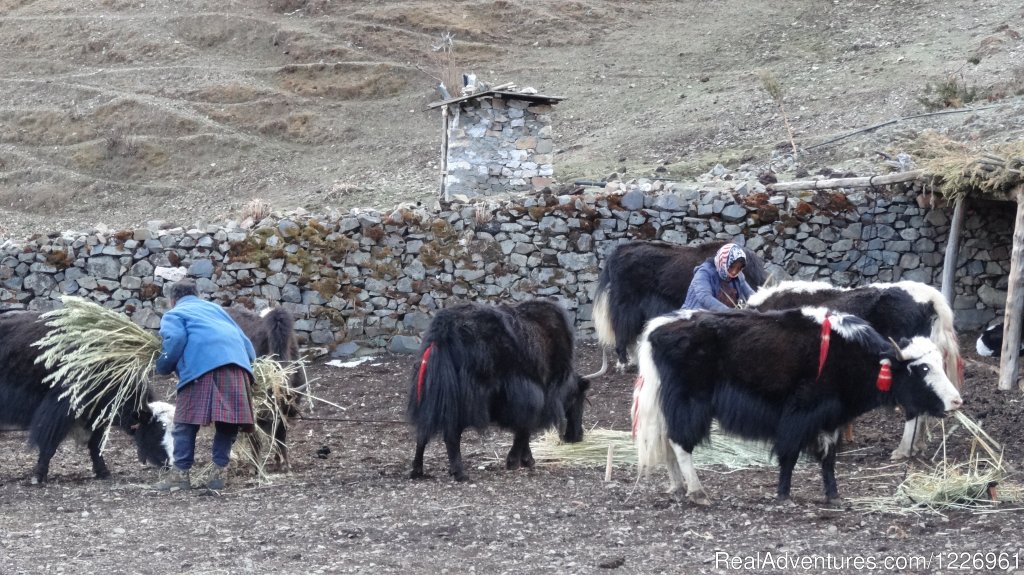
899 352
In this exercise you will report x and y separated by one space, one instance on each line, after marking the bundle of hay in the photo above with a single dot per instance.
720 449
95 353
270 397
979 483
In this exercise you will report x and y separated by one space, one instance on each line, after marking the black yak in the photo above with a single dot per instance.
896 310
990 342
273 334
792 378
26 402
507 365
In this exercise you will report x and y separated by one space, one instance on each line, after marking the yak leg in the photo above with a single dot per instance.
827 448
913 440
787 462
520 454
676 481
828 477
694 490
417 460
43 463
99 467
453 444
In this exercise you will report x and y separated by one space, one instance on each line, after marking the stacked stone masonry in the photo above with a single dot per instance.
375 279
497 145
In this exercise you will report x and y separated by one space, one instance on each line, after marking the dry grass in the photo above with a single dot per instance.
960 169
95 353
979 484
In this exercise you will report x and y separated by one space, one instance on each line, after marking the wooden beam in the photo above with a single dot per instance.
862 182
952 252
1014 301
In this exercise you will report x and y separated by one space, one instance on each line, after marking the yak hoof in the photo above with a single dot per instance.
899 455
36 480
459 476
699 498
833 501
417 474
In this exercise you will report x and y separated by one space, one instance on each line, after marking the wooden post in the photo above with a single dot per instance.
952 252
1014 301
444 153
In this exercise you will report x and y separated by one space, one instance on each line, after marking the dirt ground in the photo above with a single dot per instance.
118 112
356 511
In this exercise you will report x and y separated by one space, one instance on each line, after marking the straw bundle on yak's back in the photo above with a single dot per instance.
507 365
278 388
81 369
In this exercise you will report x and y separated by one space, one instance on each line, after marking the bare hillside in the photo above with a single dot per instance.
119 112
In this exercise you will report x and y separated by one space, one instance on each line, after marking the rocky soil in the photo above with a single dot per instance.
118 112
354 510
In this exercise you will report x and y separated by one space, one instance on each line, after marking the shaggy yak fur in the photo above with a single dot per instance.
642 280
767 376
507 365
28 403
273 334
896 310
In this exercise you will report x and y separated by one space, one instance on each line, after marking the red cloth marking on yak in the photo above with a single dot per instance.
826 336
637 386
884 382
423 372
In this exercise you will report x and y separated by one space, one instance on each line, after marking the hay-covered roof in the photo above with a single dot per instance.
958 171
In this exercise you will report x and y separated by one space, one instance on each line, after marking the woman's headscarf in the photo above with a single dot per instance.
726 256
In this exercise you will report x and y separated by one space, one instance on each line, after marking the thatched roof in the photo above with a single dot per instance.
957 171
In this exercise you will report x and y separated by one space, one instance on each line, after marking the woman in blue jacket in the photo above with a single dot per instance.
718 283
213 359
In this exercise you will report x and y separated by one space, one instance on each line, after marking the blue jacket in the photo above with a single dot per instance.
199 336
703 292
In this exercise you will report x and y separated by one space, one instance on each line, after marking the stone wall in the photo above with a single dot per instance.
373 279
497 145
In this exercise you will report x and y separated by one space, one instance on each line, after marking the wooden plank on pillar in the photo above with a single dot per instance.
1014 301
952 252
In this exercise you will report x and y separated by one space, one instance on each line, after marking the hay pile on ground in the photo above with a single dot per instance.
979 484
720 449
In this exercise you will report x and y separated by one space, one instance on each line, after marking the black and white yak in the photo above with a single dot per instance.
990 342
26 402
791 378
642 280
272 333
509 365
896 310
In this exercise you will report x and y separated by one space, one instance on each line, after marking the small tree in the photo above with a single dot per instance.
772 85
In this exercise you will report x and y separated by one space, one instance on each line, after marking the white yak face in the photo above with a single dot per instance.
925 361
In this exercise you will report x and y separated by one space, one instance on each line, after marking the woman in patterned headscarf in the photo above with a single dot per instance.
718 283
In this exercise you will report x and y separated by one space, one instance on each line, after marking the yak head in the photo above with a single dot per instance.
577 397
150 427
919 382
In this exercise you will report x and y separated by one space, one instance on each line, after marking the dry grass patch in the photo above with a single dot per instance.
343 81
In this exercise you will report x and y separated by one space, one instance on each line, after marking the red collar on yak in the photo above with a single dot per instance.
884 381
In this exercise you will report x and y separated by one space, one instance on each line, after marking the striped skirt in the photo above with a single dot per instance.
221 395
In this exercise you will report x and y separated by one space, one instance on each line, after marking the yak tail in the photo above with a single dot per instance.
943 333
280 328
650 430
436 395
603 318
